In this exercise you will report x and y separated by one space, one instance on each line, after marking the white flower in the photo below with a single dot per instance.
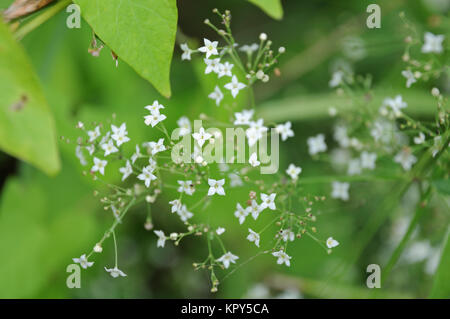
176 205
235 180
284 130
186 52
216 187
201 137
90 149
93 135
254 209
105 138
340 190
161 238
157 147
184 213
433 43
268 201
79 154
185 126
405 158
136 155
240 213
244 117
155 107
255 131
154 118
336 79
293 171
368 160
99 166
217 95
316 144
115 272
98 248
225 69
437 145
253 237
186 187
220 231
331 243
84 263
109 148
354 167
212 65
332 111
410 79
147 175
249 49
210 48
228 258
419 139
234 86
396 104
127 170
287 234
120 134
254 160
283 258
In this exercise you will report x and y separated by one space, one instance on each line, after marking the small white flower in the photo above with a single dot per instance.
220 231
284 130
216 187
255 131
336 79
234 86
185 126
98 248
405 158
244 117
340 190
316 144
157 147
228 258
136 155
249 49
186 187
368 160
115 272
99 166
354 167
419 139
184 213
153 119
161 238
147 176
127 170
396 104
410 79
253 237
201 137
235 180
84 263
217 95
283 258
287 234
176 205
210 48
186 52
120 134
293 171
331 243
268 201
254 160
254 209
93 135
155 107
109 148
240 213
433 43
332 111
79 154
212 65
225 69
90 149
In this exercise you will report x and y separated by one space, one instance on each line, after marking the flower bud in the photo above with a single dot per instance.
263 37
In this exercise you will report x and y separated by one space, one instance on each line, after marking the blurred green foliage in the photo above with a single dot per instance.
45 221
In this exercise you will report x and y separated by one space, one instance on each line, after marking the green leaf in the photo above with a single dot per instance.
442 186
27 129
441 285
272 7
140 32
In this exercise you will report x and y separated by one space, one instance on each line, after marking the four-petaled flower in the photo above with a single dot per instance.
254 209
283 258
316 144
201 136
340 190
228 258
234 86
293 171
253 237
410 78
212 65
210 48
99 165
84 263
268 201
161 238
244 117
254 160
216 95
94 134
284 130
240 213
186 52
368 160
186 187
433 43
115 272
147 175
120 134
216 187
332 242
109 148
225 69
127 170
157 147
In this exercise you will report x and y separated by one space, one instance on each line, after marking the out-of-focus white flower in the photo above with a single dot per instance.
254 160
419 139
368 160
186 52
115 272
410 79
340 190
432 43
161 238
405 158
216 95
220 231
126 171
284 130
316 144
93 135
